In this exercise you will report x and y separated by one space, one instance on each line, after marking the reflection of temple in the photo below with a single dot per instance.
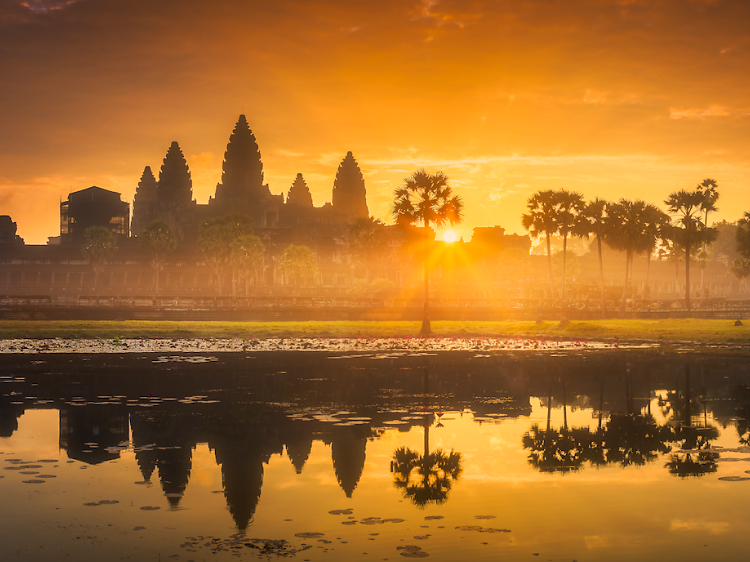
348 454
165 442
86 431
241 461
9 414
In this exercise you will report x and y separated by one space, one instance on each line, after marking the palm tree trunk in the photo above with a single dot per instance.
687 275
234 282
625 285
157 282
549 264
601 276
426 328
565 250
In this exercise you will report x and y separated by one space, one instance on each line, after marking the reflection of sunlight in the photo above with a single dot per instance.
449 236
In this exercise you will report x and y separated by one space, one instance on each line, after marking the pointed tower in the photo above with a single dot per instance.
348 455
144 202
349 195
299 194
175 187
242 170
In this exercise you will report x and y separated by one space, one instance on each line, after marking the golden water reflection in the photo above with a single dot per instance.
592 468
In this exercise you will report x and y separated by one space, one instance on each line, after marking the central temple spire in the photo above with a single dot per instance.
349 195
242 170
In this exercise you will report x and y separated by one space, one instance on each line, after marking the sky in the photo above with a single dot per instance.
611 98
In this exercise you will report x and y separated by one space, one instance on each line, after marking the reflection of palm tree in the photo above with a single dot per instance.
435 474
635 439
694 459
552 450
426 478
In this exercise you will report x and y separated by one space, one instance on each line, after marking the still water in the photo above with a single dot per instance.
324 456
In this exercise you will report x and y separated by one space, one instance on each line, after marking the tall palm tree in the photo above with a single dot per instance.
629 231
709 188
542 219
158 240
98 245
569 207
594 218
657 229
690 231
427 199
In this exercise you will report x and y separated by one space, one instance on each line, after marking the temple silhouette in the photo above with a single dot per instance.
242 190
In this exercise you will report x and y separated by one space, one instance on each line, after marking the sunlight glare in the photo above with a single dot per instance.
449 236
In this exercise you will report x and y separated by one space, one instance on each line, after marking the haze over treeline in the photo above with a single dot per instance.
612 98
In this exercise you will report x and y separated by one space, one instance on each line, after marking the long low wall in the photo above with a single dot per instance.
330 313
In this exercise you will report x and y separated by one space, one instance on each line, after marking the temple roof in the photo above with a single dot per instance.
299 193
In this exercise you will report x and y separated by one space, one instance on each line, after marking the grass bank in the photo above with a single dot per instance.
694 330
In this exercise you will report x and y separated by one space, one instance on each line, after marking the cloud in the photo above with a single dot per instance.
702 114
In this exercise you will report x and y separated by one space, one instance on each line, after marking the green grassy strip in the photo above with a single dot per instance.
703 331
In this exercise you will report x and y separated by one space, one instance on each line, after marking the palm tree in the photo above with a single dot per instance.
709 188
298 262
594 221
630 231
246 254
657 229
542 219
99 244
690 231
569 208
158 240
427 199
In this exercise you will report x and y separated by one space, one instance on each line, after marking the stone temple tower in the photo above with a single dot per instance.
145 207
349 195
174 194
175 188
242 170
299 194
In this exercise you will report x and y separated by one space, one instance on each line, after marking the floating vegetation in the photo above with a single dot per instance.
341 511
47 476
150 508
433 517
102 502
485 516
43 481
416 347
412 551
734 478
308 535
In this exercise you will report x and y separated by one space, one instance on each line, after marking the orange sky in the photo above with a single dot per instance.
613 98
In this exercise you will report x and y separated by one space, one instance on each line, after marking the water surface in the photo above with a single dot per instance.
605 456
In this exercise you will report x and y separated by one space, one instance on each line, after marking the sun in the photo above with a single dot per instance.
449 236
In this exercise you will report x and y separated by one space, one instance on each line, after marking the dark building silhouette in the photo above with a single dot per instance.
93 206
8 230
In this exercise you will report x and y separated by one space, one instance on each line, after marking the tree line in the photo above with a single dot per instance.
631 226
